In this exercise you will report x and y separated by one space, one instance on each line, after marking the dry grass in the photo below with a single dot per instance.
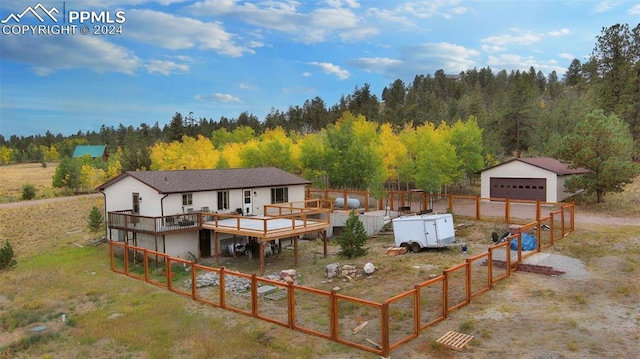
109 315
15 176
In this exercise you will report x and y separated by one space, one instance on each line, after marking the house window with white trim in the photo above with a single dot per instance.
223 200
187 199
280 195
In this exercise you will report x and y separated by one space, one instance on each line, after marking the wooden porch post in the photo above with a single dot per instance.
261 245
324 240
216 245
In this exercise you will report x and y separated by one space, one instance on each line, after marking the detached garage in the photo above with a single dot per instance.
538 178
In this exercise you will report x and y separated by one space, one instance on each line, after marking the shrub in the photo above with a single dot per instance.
95 219
7 256
28 192
353 238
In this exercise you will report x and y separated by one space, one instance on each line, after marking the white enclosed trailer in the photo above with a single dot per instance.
424 231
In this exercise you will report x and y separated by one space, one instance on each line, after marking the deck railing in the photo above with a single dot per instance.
376 327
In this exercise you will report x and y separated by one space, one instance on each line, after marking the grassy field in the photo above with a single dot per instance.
16 176
111 316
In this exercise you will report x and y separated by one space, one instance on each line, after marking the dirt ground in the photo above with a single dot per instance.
592 315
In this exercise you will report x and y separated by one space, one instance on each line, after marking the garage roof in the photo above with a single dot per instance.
547 163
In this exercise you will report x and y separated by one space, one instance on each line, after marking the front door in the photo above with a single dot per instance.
135 203
247 206
205 243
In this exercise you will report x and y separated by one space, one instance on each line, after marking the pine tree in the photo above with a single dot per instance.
353 238
7 256
95 219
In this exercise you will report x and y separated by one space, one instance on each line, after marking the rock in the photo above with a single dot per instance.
336 288
114 316
369 268
331 270
349 271
289 276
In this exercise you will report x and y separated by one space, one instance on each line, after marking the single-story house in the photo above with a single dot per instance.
187 213
536 178
92 151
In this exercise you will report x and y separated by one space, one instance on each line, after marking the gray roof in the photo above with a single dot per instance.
549 164
180 181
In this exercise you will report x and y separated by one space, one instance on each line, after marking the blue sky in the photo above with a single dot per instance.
222 57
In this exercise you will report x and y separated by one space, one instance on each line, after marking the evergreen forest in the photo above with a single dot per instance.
438 130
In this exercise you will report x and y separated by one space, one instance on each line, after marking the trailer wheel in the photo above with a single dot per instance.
415 247
405 245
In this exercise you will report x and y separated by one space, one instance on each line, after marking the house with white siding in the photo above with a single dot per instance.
187 213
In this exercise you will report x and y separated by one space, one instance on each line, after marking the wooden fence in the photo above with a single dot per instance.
338 317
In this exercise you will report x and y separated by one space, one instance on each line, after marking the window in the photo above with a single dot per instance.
187 199
279 195
223 200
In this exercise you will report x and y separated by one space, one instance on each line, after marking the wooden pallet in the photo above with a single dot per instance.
455 340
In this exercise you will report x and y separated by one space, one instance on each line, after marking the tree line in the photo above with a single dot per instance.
515 113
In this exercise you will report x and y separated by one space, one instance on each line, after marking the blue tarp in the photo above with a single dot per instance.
528 242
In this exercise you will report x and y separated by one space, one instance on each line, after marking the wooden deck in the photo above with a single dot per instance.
286 220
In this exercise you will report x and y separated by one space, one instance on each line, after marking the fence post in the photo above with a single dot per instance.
385 329
445 295
538 211
333 315
490 267
477 208
223 298
169 282
126 258
417 309
551 228
450 203
194 282
145 263
113 256
468 282
291 302
366 200
507 210
254 295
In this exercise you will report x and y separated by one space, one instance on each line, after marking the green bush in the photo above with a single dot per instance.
7 256
353 238
95 219
28 192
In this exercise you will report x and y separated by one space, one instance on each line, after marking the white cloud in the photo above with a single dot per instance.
329 19
603 6
524 63
47 54
560 32
175 32
329 68
517 39
306 74
635 10
165 67
411 12
218 97
247 86
492 48
564 55
442 55
421 59
375 64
